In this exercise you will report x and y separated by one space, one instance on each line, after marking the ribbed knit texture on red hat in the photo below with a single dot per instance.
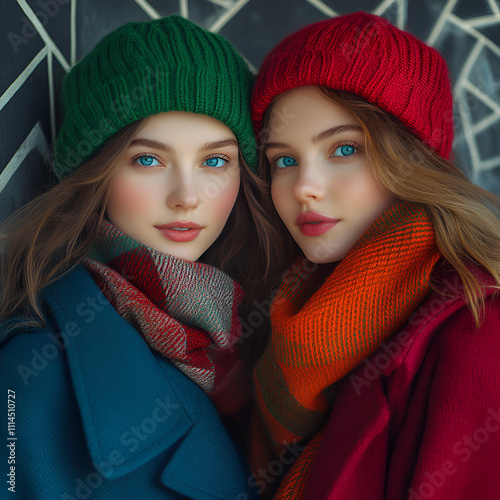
366 55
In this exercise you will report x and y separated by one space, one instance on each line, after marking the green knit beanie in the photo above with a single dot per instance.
142 69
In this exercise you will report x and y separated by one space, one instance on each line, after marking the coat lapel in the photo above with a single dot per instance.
129 408
134 404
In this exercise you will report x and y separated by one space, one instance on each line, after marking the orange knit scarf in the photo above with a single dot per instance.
322 328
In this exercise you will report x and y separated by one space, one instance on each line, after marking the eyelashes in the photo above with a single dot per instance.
340 151
283 161
346 150
213 161
216 161
146 160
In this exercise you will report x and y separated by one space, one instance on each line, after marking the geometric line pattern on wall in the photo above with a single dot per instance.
485 54
230 9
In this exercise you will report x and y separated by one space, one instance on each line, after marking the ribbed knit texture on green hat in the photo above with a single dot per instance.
142 69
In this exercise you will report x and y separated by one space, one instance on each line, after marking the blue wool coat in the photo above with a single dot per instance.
97 414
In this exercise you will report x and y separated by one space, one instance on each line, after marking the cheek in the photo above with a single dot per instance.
381 200
361 188
276 194
372 199
225 200
128 197
282 197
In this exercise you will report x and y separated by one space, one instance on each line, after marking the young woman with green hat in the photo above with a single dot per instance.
119 322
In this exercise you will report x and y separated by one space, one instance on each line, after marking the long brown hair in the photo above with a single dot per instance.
54 232
247 238
466 217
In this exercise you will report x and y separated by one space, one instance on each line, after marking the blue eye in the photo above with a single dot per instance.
147 161
216 162
344 150
285 161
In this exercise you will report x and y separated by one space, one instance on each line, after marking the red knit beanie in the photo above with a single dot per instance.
366 55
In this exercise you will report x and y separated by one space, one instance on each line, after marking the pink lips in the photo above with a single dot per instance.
180 230
314 224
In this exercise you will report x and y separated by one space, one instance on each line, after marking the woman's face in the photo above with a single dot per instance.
322 186
177 184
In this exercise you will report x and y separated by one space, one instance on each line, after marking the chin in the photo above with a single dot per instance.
186 256
323 260
320 254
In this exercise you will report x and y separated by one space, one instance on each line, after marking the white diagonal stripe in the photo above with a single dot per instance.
18 82
73 32
482 96
184 8
150 11
471 142
472 31
36 140
484 21
491 163
50 71
43 34
443 17
323 8
227 16
402 14
469 62
494 6
227 4
486 122
383 7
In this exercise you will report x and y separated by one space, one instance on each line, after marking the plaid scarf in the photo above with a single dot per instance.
323 326
187 311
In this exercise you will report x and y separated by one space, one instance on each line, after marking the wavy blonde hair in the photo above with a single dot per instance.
466 217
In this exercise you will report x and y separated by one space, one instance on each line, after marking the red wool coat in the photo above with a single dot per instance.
420 418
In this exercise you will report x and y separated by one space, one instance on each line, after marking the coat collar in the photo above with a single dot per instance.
129 408
129 397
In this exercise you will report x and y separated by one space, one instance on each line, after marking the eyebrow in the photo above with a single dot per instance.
168 148
326 134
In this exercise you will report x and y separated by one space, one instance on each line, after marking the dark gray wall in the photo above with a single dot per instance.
41 39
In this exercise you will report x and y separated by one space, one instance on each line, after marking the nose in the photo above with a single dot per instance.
183 193
308 185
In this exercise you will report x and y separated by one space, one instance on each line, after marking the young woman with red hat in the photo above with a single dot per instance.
382 371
